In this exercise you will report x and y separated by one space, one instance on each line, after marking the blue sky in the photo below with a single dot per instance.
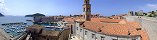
67 7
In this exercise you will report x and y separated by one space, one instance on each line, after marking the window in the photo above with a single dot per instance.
93 35
80 30
88 9
77 28
85 32
83 9
133 39
102 38
114 39
96 38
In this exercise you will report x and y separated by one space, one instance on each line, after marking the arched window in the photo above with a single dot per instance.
88 9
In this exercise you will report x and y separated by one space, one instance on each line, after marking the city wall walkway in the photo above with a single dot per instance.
148 24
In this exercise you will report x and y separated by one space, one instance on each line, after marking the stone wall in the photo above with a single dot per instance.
148 24
65 34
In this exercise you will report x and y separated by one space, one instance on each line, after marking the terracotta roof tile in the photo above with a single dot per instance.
69 19
119 27
92 25
124 29
144 35
134 24
105 20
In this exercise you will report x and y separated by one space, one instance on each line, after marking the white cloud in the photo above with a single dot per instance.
148 7
152 5
3 9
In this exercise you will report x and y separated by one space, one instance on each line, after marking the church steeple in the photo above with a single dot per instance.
87 10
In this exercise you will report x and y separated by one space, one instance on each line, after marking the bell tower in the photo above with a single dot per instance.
87 10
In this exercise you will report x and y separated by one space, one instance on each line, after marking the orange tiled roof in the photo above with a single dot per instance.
105 20
134 24
69 19
111 20
95 20
118 29
93 25
144 35
125 29
116 17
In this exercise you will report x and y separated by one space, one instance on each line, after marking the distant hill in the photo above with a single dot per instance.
1 14
35 15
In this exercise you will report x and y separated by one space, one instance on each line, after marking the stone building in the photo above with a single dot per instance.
138 13
131 13
106 29
109 29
